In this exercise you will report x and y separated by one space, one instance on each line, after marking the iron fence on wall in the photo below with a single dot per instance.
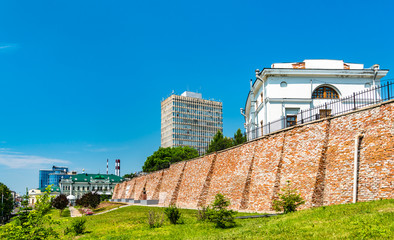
350 103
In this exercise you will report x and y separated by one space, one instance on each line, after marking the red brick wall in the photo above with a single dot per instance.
192 186
230 173
316 157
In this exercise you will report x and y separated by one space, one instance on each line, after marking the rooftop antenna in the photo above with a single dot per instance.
107 166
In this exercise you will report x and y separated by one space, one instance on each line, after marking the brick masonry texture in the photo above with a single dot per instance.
316 157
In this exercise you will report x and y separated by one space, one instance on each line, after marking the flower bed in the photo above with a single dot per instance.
86 211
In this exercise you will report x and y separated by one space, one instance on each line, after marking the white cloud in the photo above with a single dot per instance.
20 160
5 46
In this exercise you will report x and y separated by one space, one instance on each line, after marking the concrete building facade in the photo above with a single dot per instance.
190 120
279 93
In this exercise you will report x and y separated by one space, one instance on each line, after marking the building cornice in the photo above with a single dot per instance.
354 73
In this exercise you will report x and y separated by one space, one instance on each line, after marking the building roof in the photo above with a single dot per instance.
85 177
53 189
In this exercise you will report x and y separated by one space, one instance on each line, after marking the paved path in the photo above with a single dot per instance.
74 212
113 209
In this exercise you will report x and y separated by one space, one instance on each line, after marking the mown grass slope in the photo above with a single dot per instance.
368 220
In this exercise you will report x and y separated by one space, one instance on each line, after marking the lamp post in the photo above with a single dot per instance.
2 207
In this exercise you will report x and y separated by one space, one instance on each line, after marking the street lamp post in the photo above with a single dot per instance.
2 208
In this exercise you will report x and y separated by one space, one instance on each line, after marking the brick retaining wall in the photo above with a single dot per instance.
316 157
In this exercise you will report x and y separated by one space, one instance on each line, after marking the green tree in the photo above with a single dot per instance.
44 202
36 225
129 175
7 203
219 214
289 200
219 142
163 157
239 137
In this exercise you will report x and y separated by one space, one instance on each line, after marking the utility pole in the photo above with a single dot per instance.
2 207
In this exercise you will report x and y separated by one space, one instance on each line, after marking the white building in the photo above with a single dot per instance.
79 184
281 92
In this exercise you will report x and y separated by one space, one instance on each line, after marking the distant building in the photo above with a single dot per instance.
282 91
190 120
52 176
79 184
34 193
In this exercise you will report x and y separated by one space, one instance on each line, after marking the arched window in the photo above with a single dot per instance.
325 93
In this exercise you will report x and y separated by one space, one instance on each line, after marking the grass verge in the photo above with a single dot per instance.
369 220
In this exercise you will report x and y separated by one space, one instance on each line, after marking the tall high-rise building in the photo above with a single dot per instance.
190 120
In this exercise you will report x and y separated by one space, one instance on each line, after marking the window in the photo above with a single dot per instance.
291 120
325 93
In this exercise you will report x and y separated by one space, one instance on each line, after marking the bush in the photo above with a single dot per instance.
154 219
202 214
173 214
78 226
289 200
219 215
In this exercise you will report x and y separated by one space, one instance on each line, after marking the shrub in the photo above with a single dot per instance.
154 219
202 214
289 200
60 202
219 215
78 226
36 225
173 214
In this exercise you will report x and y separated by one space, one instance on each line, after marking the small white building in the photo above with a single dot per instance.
279 93
34 194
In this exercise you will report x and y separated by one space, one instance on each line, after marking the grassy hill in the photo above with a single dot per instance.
368 220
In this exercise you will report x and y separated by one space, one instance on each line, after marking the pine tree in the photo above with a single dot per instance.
239 138
219 142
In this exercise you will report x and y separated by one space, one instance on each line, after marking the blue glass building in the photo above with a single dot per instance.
53 176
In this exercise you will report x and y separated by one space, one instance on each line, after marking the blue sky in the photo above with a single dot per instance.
82 81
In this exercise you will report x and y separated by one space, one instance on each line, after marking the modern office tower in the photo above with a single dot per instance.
52 176
190 120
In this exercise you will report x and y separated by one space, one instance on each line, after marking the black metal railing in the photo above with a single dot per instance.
350 103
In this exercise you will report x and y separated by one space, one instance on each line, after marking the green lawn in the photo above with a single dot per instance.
371 220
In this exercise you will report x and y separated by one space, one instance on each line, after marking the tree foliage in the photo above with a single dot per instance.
44 202
36 224
60 202
219 142
173 214
89 200
129 175
8 203
219 214
239 137
163 157
289 200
